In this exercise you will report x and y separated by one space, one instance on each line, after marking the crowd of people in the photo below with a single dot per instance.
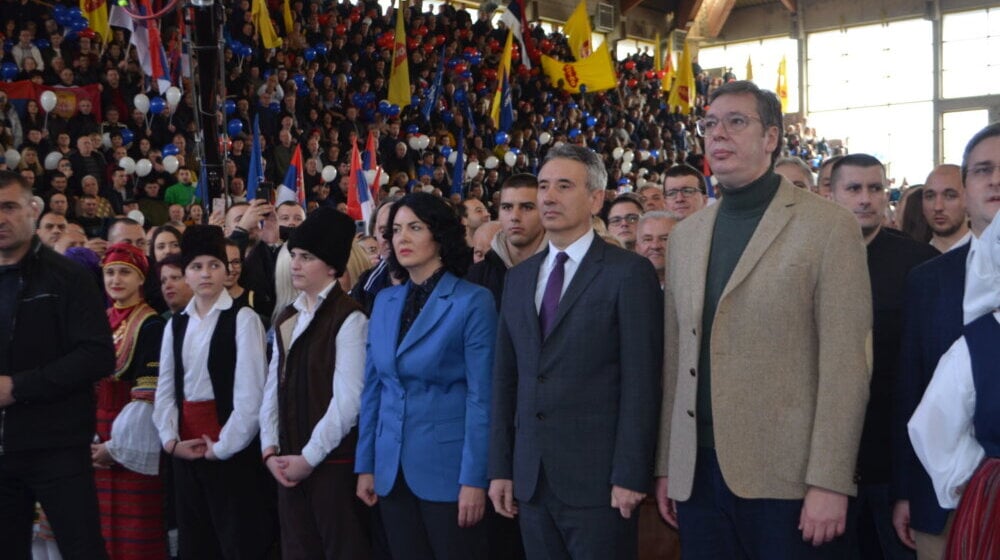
508 358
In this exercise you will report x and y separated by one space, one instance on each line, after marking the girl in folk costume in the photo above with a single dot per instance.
126 452
956 429
212 371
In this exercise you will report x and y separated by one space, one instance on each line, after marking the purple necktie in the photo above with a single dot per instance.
553 291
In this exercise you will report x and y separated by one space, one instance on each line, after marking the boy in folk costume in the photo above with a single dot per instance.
212 371
313 396
126 453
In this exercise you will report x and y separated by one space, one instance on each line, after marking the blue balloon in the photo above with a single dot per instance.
236 45
585 114
467 75
515 151
246 51
547 121
446 151
447 116
274 106
412 129
157 105
75 13
77 25
127 136
501 138
170 150
42 43
654 153
394 110
415 100
299 79
321 49
571 105
58 10
573 133
235 127
583 88
623 181
460 95
230 106
475 60
309 54
370 97
383 106
8 71
591 121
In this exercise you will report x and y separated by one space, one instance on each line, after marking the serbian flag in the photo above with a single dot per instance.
360 205
293 188
514 18
146 40
371 164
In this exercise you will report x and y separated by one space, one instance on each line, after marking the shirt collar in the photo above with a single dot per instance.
577 249
224 302
300 302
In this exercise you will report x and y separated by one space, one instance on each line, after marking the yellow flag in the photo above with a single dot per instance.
399 75
286 13
262 21
96 12
668 67
596 71
503 78
782 89
578 33
683 92
749 69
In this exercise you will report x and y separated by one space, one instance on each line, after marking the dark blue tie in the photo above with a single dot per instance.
553 291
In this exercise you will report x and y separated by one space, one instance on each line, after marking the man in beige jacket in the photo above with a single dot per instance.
767 357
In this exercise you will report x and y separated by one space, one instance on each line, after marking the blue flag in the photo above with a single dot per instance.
506 105
256 173
459 171
435 90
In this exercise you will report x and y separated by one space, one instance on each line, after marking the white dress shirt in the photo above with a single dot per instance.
248 382
941 428
348 381
575 253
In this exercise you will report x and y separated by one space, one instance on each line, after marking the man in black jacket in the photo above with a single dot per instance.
55 342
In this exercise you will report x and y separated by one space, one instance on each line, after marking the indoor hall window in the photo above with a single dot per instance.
764 55
970 53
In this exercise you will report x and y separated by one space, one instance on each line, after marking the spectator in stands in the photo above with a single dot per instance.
623 217
796 171
684 190
944 208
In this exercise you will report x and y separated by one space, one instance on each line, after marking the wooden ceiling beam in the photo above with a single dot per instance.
625 5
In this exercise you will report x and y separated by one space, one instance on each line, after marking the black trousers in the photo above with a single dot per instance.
62 480
423 530
225 509
322 517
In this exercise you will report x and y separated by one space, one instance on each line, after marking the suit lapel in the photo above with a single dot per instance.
585 274
771 223
697 264
526 295
434 310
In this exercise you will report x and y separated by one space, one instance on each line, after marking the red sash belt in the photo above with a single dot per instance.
199 418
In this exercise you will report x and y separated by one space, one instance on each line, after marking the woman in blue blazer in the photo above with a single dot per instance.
424 425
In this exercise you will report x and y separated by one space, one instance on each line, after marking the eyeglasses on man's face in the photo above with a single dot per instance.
688 192
732 123
627 218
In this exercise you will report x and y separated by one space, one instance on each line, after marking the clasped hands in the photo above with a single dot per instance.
502 496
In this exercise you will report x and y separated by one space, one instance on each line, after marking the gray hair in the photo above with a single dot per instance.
797 162
655 215
597 173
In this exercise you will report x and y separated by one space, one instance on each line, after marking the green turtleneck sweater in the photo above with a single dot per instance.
739 213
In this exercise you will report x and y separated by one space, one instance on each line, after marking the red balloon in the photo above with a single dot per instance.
340 29
460 67
630 65
355 17
546 45
439 40
661 74
412 43
422 30
650 74
465 34
428 48
489 73
494 45
632 83
523 70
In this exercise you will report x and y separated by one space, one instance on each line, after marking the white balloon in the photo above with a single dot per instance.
491 162
643 155
510 158
142 103
52 160
171 164
558 144
453 157
369 176
383 179
128 164
626 167
137 216
414 142
48 100
628 156
329 173
544 138
617 153
13 158
143 167
173 96
424 141
472 170
106 139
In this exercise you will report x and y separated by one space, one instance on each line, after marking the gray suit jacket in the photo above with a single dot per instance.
585 401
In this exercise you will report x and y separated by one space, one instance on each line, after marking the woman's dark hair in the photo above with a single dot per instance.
913 222
445 226
152 243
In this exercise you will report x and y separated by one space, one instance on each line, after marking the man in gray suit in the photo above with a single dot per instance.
576 378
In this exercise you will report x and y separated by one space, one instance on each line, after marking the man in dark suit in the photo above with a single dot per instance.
932 320
576 378
858 183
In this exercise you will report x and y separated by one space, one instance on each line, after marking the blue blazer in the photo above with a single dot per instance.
425 407
932 322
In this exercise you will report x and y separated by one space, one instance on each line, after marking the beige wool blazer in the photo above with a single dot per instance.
790 353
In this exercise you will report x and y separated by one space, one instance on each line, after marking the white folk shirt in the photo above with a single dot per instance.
576 251
248 382
941 428
348 381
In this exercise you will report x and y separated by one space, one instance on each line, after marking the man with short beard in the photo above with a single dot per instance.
520 236
944 208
